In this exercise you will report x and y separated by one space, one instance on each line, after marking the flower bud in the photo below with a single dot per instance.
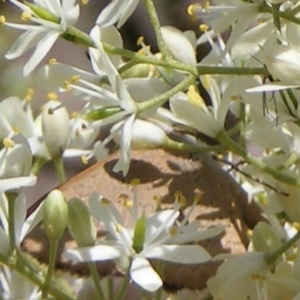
179 45
55 125
264 238
146 135
80 223
283 63
55 215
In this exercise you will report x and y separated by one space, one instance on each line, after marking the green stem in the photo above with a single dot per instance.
96 279
11 198
270 258
59 168
77 36
156 27
227 142
125 284
51 265
38 164
13 262
161 99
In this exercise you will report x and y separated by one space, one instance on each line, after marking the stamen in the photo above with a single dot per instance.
2 20
8 143
194 97
75 78
105 201
52 61
28 96
84 159
52 96
26 16
203 27
135 182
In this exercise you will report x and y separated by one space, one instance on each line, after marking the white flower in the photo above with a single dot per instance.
150 237
116 11
179 45
16 286
191 108
53 18
55 125
15 163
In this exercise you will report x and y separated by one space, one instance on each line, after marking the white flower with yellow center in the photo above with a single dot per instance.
53 18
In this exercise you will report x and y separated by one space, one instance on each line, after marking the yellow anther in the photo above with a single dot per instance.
8 143
194 96
67 85
191 8
206 6
135 182
180 198
2 20
26 16
235 98
157 199
128 203
75 78
52 96
119 228
197 198
28 96
203 27
16 129
140 41
296 225
105 201
173 230
74 114
84 159
85 2
52 61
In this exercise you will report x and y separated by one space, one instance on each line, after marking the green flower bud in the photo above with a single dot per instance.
264 238
55 215
139 234
43 13
80 223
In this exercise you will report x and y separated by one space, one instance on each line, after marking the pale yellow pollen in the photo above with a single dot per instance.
180 198
119 228
52 61
85 2
52 96
203 27
206 81
105 201
128 203
191 8
8 143
194 96
135 182
74 114
2 20
28 96
84 159
16 129
206 6
296 225
235 98
67 85
173 230
26 16
140 41
75 78
197 198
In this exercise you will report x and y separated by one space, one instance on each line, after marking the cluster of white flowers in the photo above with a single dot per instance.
243 96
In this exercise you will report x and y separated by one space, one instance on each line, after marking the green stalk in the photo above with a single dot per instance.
156 27
125 284
11 198
51 265
227 142
270 258
59 168
96 279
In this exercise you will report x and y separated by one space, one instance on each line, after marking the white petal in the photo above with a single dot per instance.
144 275
270 87
41 50
95 253
184 254
16 183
